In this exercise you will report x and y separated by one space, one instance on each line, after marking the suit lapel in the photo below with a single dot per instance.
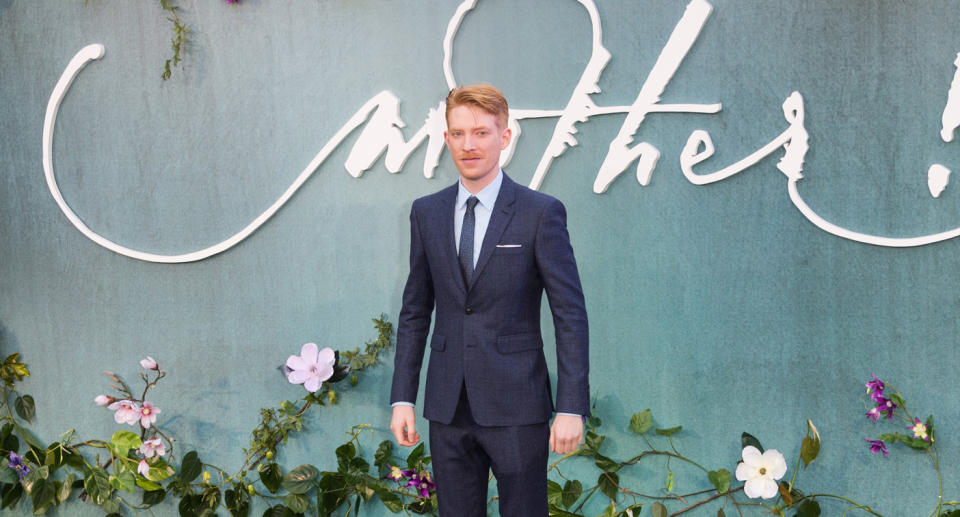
502 213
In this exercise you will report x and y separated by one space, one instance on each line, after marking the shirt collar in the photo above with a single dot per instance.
487 197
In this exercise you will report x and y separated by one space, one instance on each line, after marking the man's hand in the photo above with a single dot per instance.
566 433
404 427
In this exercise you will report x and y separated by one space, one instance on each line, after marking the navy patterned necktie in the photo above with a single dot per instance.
466 239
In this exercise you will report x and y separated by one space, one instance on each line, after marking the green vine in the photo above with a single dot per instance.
180 37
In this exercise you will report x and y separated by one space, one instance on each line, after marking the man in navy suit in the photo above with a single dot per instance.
482 252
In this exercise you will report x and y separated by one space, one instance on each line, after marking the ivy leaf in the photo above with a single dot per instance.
609 484
297 503
720 513
190 467
606 464
748 439
591 444
809 449
631 511
278 511
25 408
301 479
571 492
413 459
152 497
64 492
42 495
389 499
668 431
382 457
808 508
554 493
122 441
641 422
11 495
97 484
270 476
658 509
720 479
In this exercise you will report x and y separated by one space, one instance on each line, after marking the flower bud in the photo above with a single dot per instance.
103 400
332 396
269 455
251 490
206 476
149 363
354 379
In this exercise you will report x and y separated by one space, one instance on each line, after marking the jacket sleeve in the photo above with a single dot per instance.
414 322
558 268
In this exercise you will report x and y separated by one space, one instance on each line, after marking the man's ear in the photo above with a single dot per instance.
506 135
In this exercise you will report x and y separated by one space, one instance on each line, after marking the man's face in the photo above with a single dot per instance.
475 140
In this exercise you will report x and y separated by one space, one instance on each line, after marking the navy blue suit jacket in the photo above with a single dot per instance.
487 335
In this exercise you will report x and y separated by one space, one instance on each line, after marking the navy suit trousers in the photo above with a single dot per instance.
464 452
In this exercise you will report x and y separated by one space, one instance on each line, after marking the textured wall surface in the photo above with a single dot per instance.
720 307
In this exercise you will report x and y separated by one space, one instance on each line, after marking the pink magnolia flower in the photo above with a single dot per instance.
149 363
103 400
151 447
311 367
143 468
126 411
148 414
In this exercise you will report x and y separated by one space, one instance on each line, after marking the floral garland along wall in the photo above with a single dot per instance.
136 469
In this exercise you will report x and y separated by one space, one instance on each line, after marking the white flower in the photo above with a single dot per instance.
103 400
761 472
311 367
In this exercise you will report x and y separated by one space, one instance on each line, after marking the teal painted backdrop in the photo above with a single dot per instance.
720 307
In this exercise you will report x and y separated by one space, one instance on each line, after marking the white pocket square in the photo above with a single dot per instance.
509 245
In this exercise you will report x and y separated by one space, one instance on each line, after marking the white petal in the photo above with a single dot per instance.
752 488
119 417
295 362
313 384
751 456
776 465
309 352
745 472
767 487
324 372
326 356
298 376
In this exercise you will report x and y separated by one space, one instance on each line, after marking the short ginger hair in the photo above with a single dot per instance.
484 96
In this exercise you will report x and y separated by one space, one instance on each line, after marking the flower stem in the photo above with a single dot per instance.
705 501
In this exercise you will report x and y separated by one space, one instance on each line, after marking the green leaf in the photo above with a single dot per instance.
556 511
152 497
25 408
591 443
190 467
668 431
609 484
898 400
28 437
631 511
346 451
610 511
297 503
122 441
7 475
554 493
147 485
126 481
641 422
658 509
890 437
43 495
413 459
270 476
97 484
381 458
11 495
389 499
158 472
808 508
606 464
809 449
572 490
278 511
111 506
720 479
748 439
301 479
720 513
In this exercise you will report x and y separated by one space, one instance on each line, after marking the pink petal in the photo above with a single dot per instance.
324 372
295 362
143 468
298 376
313 384
326 356
309 352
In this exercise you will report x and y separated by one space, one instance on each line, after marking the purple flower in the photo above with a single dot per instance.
874 414
886 406
422 483
16 463
875 384
396 474
878 446
919 430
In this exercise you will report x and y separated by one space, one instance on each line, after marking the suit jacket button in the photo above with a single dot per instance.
469 311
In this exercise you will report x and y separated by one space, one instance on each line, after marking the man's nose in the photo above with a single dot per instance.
468 143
